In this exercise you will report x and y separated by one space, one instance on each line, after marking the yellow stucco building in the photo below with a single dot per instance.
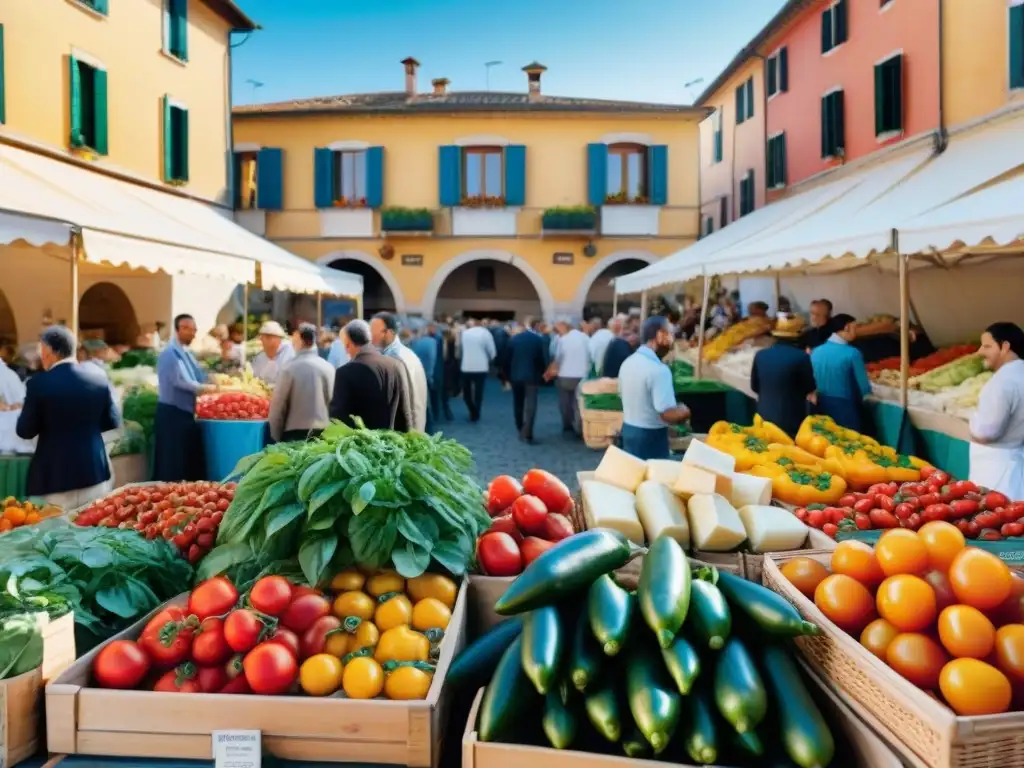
483 203
137 91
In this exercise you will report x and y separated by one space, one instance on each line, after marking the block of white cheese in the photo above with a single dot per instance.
772 529
692 479
609 507
715 524
621 469
662 513
749 489
703 456
664 471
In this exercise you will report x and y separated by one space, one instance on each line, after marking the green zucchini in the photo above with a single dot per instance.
739 691
566 568
653 699
605 711
771 613
664 589
542 647
682 663
559 722
508 699
805 733
585 657
610 609
709 620
635 745
747 744
700 729
475 664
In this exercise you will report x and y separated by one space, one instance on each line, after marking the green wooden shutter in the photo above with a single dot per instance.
3 100
783 70
168 141
824 127
772 75
826 30
1017 46
101 6
780 162
896 93
879 99
841 23
839 120
75 102
719 145
769 160
740 105
99 80
181 134
177 31
749 88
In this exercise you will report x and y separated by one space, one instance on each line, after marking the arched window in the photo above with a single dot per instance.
627 172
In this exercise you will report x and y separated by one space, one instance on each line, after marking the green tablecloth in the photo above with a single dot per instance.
13 476
893 427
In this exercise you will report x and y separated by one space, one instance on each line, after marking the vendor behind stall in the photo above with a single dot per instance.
821 324
277 352
997 427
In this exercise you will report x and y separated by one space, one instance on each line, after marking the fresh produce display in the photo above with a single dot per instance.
735 334
232 406
949 375
523 524
135 358
881 369
185 514
962 400
946 616
108 577
245 382
21 643
678 667
862 461
878 325
370 636
372 498
139 405
14 513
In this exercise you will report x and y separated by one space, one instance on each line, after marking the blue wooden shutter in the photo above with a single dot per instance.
178 32
270 179
1017 46
168 141
597 174
75 102
375 177
449 175
99 81
783 70
515 175
100 6
657 174
323 177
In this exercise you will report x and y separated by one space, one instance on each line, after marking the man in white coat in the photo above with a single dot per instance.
384 329
997 427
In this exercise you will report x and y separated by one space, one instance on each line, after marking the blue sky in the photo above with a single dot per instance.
644 50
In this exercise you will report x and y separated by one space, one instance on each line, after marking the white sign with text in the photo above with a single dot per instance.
237 749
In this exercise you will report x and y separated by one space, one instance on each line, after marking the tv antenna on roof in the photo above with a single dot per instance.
256 85
487 70
689 86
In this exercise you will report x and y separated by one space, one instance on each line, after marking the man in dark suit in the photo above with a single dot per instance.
782 377
370 386
527 362
68 408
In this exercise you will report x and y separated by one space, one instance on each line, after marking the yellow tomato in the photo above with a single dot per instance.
980 578
966 632
366 636
430 613
349 580
906 602
321 675
407 684
358 604
384 582
402 644
338 644
943 541
432 585
900 551
877 635
973 688
363 678
393 612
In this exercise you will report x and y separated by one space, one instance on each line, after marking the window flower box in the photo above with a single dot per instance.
482 201
582 218
354 202
621 198
406 220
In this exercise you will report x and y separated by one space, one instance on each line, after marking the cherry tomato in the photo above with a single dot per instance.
270 669
167 637
212 679
288 639
846 602
973 688
303 610
315 638
918 658
178 681
209 645
548 488
214 597
271 595
499 555
237 685
242 630
877 635
120 664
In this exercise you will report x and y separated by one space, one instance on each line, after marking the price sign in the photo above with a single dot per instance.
237 749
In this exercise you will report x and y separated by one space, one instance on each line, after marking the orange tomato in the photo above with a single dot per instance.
1009 655
972 688
15 516
877 635
901 551
805 574
1011 610
857 560
918 658
32 518
6 525
943 541
906 602
846 602
980 579
939 582
966 632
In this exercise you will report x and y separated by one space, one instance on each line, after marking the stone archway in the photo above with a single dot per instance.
371 268
603 266
106 308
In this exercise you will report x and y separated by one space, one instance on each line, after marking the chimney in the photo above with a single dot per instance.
533 72
411 65
440 85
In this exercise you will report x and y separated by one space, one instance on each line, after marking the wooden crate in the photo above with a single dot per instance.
95 721
856 745
925 732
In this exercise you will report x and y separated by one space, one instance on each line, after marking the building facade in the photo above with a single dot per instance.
481 203
138 90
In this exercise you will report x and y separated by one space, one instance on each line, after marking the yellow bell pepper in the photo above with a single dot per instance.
856 466
898 467
800 484
746 449
819 432
770 432
724 428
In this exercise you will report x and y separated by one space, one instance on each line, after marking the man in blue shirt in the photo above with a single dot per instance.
841 376
425 347
648 399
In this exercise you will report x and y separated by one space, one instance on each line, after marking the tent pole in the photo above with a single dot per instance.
359 307
904 317
778 290
319 310
76 250
615 301
245 319
703 321
643 306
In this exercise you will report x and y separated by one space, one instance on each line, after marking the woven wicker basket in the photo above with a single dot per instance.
925 732
600 428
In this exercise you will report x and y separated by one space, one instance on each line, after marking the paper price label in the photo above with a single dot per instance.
237 749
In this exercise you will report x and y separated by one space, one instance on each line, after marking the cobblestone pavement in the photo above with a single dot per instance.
497 448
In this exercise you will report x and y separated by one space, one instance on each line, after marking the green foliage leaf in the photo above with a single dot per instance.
315 554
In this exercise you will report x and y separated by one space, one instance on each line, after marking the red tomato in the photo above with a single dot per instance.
120 664
288 639
271 594
556 527
505 524
179 680
315 638
529 513
214 597
209 645
303 610
532 548
237 685
548 488
995 500
233 668
167 638
212 679
242 630
499 555
270 669
501 493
